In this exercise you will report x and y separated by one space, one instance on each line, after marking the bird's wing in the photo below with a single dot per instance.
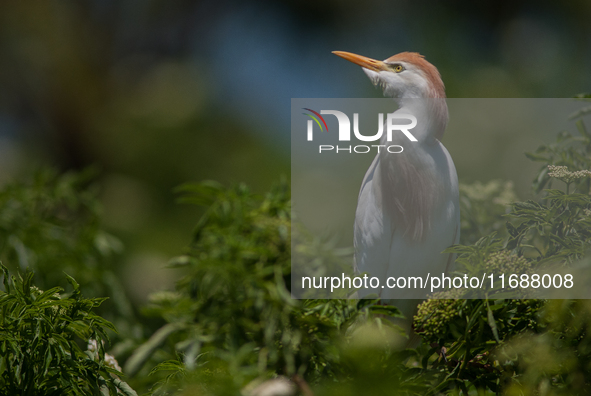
369 175
373 230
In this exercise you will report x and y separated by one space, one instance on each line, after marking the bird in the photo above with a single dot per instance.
408 205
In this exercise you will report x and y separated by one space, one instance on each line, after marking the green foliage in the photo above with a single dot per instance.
232 317
50 224
519 347
373 360
234 304
40 337
482 206
558 230
559 227
470 330
569 150
556 361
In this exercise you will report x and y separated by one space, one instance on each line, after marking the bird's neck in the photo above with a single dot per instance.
431 114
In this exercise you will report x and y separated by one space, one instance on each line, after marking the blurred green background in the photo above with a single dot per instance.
157 93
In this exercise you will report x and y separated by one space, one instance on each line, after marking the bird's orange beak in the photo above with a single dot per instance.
368 63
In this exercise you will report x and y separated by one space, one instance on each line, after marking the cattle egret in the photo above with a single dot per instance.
408 206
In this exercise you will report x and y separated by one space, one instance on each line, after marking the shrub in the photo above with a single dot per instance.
40 337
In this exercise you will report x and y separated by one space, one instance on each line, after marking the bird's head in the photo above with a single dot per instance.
404 75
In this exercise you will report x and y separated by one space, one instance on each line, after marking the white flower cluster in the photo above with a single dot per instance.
112 362
562 173
109 359
92 346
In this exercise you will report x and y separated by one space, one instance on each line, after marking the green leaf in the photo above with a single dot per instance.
143 353
536 157
492 323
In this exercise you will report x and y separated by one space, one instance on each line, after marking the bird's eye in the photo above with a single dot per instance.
398 68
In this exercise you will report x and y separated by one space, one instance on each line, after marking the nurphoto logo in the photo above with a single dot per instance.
345 131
